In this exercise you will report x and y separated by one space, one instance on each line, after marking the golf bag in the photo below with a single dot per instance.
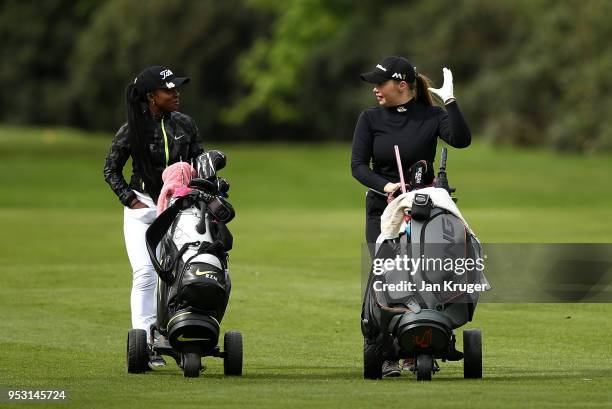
189 244
438 235
409 310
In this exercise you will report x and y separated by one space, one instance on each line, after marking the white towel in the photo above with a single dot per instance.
393 217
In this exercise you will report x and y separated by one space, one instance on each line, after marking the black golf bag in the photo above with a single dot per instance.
194 285
189 244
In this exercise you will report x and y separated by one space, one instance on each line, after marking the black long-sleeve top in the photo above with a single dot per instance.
414 127
181 142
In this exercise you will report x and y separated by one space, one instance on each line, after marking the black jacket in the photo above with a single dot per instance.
183 142
414 127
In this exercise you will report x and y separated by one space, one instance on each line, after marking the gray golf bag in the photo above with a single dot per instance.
411 312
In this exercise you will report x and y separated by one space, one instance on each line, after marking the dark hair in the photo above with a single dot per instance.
422 83
136 106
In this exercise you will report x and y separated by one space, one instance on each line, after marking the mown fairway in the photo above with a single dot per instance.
65 281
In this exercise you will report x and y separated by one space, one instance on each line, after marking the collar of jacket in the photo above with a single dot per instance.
166 116
403 107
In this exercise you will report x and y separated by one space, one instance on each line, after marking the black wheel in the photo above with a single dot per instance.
424 367
192 364
372 359
137 355
232 348
472 354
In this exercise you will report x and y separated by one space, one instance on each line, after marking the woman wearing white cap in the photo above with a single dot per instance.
405 117
155 136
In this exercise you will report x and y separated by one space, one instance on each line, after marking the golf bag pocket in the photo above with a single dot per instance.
220 233
204 284
421 207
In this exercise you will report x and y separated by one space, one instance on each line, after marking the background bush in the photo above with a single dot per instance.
526 72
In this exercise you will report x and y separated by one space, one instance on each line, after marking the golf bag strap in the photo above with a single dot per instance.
156 232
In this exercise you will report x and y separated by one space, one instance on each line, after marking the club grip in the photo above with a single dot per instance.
443 160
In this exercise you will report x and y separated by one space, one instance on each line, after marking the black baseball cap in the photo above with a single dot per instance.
391 68
157 77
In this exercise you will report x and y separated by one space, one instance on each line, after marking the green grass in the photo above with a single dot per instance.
65 288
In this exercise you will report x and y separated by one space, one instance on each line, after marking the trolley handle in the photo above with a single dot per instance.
442 180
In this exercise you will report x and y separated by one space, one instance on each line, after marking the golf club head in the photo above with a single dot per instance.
205 185
222 185
209 163
421 174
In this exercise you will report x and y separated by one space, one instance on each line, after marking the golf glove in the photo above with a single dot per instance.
446 92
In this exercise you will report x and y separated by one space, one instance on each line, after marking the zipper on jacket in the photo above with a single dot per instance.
165 141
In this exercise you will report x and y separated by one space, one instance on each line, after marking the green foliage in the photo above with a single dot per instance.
554 88
531 72
36 39
526 72
199 39
274 66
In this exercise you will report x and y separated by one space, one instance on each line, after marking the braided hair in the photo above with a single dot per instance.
136 122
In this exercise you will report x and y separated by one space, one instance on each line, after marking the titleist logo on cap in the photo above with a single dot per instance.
165 74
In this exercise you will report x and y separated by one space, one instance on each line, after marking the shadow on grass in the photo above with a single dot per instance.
275 374
321 373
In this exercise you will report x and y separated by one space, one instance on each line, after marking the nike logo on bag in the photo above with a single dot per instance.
182 338
176 138
201 273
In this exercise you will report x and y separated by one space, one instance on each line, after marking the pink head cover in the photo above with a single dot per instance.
175 178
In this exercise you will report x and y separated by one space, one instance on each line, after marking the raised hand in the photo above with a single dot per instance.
446 92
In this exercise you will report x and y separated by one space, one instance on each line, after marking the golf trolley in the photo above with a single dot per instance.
412 314
192 243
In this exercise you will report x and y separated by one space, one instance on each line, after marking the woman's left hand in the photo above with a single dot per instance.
446 92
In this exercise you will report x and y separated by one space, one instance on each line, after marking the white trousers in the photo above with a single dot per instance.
144 278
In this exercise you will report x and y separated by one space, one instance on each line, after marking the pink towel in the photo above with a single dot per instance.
175 178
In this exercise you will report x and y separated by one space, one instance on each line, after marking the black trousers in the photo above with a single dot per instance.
375 205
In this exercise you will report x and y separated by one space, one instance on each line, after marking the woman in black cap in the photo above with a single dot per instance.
155 136
405 117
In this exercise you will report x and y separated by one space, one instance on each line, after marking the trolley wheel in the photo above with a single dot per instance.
424 367
192 364
137 356
232 348
372 360
472 354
